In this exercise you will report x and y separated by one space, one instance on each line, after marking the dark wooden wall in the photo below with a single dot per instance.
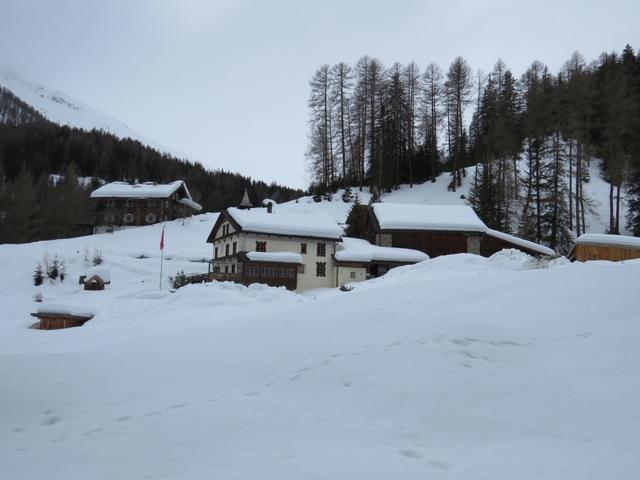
433 244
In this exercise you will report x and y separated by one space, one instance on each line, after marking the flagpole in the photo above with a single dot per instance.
161 255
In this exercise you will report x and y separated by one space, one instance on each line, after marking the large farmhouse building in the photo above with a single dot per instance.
120 205
299 252
433 229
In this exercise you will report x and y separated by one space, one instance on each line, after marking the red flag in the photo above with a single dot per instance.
162 240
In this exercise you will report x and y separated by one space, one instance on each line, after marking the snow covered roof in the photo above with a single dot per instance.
358 250
103 273
258 220
398 216
145 190
536 247
607 239
277 257
62 309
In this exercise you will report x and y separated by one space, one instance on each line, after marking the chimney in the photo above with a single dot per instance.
269 207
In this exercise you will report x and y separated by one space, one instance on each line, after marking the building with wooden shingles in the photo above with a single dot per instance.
433 229
595 246
121 205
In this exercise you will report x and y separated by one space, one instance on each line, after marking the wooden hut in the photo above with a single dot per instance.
615 248
54 317
96 279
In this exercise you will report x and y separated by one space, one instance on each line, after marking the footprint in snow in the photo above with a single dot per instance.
51 420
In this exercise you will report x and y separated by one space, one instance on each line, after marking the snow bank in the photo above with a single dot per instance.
319 225
277 257
399 216
358 250
608 239
63 309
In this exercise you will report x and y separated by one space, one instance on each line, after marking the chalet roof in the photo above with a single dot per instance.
103 273
608 240
146 190
398 216
358 250
526 244
258 220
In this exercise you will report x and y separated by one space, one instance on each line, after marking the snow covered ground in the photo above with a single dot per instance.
458 367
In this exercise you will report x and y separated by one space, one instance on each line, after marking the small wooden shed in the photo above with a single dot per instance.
615 248
96 279
54 317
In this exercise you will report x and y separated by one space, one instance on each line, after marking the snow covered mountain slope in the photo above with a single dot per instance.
63 109
454 368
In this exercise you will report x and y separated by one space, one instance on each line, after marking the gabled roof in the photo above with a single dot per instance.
245 202
146 190
398 216
258 220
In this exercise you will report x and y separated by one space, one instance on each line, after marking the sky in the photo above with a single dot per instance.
227 82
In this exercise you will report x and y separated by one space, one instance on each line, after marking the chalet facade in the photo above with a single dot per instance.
121 205
278 249
433 229
615 248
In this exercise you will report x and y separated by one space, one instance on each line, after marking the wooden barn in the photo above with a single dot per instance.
615 248
433 229
121 205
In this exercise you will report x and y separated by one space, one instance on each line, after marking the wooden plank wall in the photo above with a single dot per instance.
611 253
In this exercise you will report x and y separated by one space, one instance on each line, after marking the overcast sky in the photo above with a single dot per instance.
226 81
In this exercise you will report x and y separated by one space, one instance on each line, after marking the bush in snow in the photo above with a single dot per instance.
61 271
38 275
54 269
37 297
347 195
97 258
376 197
180 280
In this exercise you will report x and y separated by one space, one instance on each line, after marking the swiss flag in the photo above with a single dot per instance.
162 240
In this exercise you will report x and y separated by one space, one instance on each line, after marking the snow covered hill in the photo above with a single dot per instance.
596 193
63 109
455 368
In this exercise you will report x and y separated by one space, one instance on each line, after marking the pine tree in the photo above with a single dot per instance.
38 275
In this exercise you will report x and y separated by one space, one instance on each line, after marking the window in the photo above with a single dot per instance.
233 268
303 248
226 249
129 203
261 246
353 275
301 269
322 250
215 253
128 218
226 269
321 269
150 218
111 203
235 247
151 203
